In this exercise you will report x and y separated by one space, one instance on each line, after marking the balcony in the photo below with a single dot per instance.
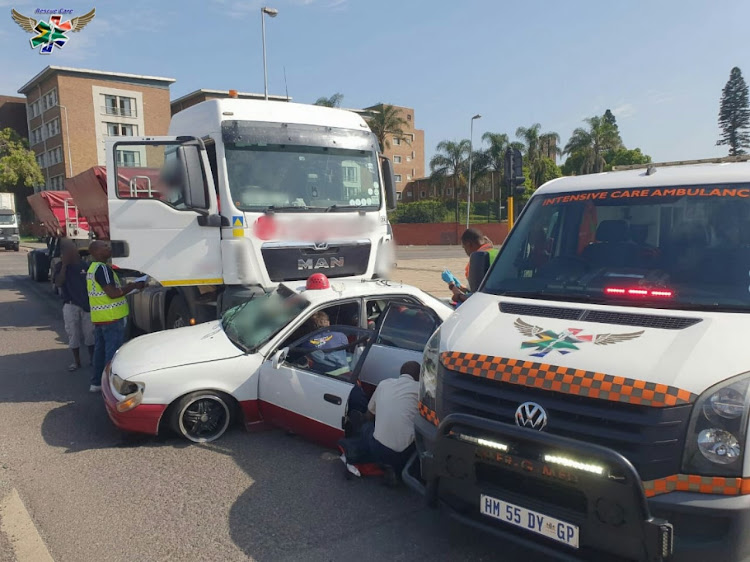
119 111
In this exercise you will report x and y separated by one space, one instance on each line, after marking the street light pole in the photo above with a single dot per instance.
67 139
471 149
273 13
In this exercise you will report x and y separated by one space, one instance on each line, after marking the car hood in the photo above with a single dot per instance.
710 349
173 348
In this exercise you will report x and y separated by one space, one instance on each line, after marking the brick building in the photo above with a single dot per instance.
13 115
407 154
71 111
198 96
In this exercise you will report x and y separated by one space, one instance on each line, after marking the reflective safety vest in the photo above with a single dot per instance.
103 308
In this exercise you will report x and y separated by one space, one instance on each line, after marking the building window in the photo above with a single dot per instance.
350 174
53 128
120 130
408 116
49 100
397 160
408 178
128 158
398 196
40 159
54 156
449 191
408 158
34 109
56 183
396 141
412 137
119 105
36 136
397 178
422 193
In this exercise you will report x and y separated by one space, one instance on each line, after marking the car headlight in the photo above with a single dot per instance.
123 387
429 371
718 430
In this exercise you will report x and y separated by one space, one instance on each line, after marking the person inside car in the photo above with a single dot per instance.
329 347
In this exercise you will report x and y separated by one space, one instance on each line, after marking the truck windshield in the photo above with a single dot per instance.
290 178
252 323
674 247
7 219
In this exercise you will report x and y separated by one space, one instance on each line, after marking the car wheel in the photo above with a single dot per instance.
178 315
202 416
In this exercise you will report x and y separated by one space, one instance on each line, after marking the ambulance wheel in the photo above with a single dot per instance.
202 416
178 315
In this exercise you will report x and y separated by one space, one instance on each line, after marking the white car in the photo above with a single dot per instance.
264 362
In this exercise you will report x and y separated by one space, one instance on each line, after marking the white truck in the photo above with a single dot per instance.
242 195
9 233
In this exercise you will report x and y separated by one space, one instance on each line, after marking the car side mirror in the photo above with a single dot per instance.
479 265
279 357
210 220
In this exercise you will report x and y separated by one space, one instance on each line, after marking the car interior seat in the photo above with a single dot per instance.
613 246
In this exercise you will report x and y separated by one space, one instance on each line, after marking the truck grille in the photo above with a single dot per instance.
650 438
292 263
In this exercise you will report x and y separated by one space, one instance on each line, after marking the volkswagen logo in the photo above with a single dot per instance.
531 415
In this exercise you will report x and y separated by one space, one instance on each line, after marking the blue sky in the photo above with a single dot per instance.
659 65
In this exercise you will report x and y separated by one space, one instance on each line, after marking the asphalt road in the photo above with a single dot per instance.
95 494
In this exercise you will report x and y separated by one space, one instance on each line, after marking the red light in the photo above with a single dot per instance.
659 293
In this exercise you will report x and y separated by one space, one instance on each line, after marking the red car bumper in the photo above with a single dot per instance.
144 418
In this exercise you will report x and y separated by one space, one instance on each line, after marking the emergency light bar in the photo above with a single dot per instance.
659 293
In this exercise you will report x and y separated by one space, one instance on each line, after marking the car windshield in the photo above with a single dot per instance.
301 178
680 247
7 219
253 322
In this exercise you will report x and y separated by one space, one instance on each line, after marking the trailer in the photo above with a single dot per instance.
9 233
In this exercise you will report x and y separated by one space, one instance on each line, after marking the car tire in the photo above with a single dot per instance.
203 416
178 315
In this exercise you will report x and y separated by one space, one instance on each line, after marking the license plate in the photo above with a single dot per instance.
533 521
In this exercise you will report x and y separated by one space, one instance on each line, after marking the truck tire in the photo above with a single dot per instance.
16 247
178 314
40 267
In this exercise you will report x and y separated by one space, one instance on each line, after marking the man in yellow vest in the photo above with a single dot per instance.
109 309
472 240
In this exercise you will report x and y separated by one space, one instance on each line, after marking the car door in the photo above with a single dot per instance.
402 331
307 393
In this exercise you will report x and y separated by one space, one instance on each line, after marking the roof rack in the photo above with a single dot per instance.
743 158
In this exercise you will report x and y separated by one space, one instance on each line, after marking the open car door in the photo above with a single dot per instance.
401 334
304 388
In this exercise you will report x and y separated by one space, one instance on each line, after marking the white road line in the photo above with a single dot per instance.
16 524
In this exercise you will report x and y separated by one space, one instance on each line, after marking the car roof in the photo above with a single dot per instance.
693 174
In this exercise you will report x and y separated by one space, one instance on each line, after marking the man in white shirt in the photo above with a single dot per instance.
390 439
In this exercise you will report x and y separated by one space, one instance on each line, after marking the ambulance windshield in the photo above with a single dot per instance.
681 247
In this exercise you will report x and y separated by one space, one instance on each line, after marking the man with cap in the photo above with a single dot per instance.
109 309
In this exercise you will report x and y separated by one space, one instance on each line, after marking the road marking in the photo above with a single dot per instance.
16 524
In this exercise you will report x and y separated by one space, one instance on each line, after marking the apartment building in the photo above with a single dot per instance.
406 152
71 112
201 95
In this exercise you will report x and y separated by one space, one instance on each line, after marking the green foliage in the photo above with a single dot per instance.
591 144
426 211
386 120
334 101
450 160
19 171
734 114
625 157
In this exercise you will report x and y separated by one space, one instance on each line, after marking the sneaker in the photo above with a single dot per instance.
95 388
73 367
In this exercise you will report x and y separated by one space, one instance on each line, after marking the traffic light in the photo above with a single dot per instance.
514 171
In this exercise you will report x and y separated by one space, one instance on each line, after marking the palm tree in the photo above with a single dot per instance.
334 101
593 143
450 161
537 147
549 145
530 138
385 122
499 143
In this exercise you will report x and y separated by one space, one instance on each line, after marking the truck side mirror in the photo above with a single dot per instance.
479 265
390 183
210 220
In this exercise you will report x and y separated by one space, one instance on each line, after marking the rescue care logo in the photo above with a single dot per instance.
52 33
544 342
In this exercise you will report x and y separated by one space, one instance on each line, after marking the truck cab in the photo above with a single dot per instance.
591 398
9 233
244 195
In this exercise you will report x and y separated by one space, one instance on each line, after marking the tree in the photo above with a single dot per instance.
530 138
450 161
734 114
499 143
549 146
334 101
19 171
591 145
536 148
624 157
386 121
609 117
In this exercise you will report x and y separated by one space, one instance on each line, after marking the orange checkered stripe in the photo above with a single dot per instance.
700 484
428 414
566 380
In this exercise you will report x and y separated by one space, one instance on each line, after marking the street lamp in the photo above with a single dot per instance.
67 139
471 149
272 12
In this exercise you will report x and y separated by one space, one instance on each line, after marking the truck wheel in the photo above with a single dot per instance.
30 263
16 247
202 416
178 315
41 267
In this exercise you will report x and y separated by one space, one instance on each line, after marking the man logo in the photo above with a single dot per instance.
531 415
319 263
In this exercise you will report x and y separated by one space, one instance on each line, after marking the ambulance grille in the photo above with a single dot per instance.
599 316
